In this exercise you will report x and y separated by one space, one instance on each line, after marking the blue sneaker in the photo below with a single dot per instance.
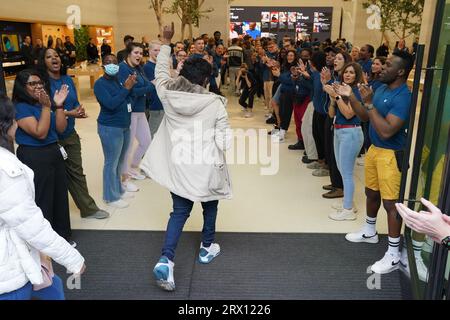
163 272
206 255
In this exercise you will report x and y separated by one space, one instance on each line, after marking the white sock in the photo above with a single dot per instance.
417 246
394 246
370 228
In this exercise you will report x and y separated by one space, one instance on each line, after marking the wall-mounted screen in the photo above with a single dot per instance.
297 22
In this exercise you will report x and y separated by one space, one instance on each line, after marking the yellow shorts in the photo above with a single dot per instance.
382 173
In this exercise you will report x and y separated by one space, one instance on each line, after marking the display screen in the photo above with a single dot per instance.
10 43
276 22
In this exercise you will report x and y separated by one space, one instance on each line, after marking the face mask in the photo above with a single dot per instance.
111 69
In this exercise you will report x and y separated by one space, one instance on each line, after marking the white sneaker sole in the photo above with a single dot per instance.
366 240
351 218
393 268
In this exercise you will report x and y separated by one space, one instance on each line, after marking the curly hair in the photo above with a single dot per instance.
7 115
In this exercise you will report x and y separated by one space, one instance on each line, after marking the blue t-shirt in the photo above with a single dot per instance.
114 100
341 119
70 103
366 65
25 110
320 97
253 33
396 102
155 103
141 89
375 84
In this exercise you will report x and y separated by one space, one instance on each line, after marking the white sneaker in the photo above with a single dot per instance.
163 273
339 205
422 269
248 114
343 215
361 237
206 255
130 186
119 204
127 195
136 175
278 137
387 264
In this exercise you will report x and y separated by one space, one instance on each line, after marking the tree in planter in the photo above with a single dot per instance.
81 41
157 6
189 12
401 17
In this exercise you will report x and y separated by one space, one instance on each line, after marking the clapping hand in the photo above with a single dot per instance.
432 223
79 112
343 90
366 93
61 95
130 82
330 90
44 99
365 78
325 75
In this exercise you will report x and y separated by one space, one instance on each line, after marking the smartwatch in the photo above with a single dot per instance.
369 106
446 242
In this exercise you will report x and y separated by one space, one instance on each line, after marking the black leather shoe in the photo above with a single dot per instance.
298 146
271 120
306 160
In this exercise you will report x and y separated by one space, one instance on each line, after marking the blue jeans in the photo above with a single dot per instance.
115 142
181 211
54 292
347 145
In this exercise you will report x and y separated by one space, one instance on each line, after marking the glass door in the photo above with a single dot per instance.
431 151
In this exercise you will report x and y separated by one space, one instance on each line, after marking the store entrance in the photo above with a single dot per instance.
429 177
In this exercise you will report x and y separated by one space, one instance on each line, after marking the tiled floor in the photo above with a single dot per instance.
289 201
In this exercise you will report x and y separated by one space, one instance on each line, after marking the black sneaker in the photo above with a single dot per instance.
298 146
271 120
306 160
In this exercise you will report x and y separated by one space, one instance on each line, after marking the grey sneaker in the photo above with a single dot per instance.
314 165
321 172
100 214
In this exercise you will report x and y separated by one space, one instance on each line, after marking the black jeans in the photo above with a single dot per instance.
319 133
330 158
50 184
286 108
247 93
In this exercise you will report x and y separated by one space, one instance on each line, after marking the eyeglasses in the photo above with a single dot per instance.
34 84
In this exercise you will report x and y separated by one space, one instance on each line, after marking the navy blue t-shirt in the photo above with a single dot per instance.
25 110
366 65
396 102
375 84
341 119
320 97
114 100
155 103
70 103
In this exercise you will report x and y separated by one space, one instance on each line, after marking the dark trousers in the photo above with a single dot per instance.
181 211
76 179
319 133
247 93
330 158
50 184
299 112
286 108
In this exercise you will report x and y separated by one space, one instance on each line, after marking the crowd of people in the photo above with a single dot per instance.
345 102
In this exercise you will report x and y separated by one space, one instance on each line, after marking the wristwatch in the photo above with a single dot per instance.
446 242
369 106
338 98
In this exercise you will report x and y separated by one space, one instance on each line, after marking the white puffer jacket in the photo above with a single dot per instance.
187 154
24 232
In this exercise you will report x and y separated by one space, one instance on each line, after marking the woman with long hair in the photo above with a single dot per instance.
26 236
139 128
54 74
377 67
348 137
37 137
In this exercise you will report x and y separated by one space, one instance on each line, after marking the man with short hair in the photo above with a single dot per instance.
388 112
156 112
235 61
70 52
252 31
27 52
177 47
365 56
266 62
122 54
199 46
217 38
92 51
38 50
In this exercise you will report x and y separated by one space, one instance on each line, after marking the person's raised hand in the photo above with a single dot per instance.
330 90
343 90
130 82
60 95
366 93
301 66
44 99
365 78
325 75
167 34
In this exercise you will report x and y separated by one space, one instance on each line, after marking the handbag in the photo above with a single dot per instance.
47 273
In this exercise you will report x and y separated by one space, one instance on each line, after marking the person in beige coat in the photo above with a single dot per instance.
187 155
